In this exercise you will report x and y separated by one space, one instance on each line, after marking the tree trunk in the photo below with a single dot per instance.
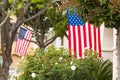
7 60
6 47
118 53
5 69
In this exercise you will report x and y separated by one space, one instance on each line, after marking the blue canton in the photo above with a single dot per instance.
75 20
22 33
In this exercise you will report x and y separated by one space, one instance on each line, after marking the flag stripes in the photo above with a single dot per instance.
23 44
82 37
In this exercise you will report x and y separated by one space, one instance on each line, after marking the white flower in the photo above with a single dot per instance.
33 74
64 12
73 67
45 18
42 64
56 63
37 53
50 29
17 75
71 63
60 58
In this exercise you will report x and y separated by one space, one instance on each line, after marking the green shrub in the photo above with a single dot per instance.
52 64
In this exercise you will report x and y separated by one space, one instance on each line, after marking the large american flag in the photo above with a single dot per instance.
22 42
81 36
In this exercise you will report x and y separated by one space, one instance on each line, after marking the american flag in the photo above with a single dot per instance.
82 35
22 42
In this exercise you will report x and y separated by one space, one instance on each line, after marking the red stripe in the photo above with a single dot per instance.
74 45
95 47
29 37
90 36
82 38
80 43
24 48
84 35
22 44
25 45
69 39
99 43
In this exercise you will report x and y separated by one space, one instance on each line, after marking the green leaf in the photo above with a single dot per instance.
37 1
19 6
10 1
40 6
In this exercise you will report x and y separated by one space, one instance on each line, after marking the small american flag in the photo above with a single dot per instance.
22 42
82 35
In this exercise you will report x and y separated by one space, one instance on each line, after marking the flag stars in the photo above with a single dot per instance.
75 20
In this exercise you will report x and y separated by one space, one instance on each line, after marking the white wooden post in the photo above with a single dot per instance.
114 55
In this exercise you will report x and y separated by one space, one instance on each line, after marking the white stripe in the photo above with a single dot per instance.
72 40
82 39
22 46
101 36
92 35
87 36
97 39
28 37
77 43
25 43
102 32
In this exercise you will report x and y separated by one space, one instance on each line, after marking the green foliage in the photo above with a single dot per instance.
52 64
37 1
99 11
104 68
16 5
58 21
10 1
52 17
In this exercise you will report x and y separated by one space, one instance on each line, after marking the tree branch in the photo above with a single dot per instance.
37 14
118 10
37 34
27 6
31 41
66 35
50 40
4 20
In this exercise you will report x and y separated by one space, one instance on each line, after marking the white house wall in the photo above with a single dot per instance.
107 44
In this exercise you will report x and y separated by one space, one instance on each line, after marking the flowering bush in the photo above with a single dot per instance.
52 64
